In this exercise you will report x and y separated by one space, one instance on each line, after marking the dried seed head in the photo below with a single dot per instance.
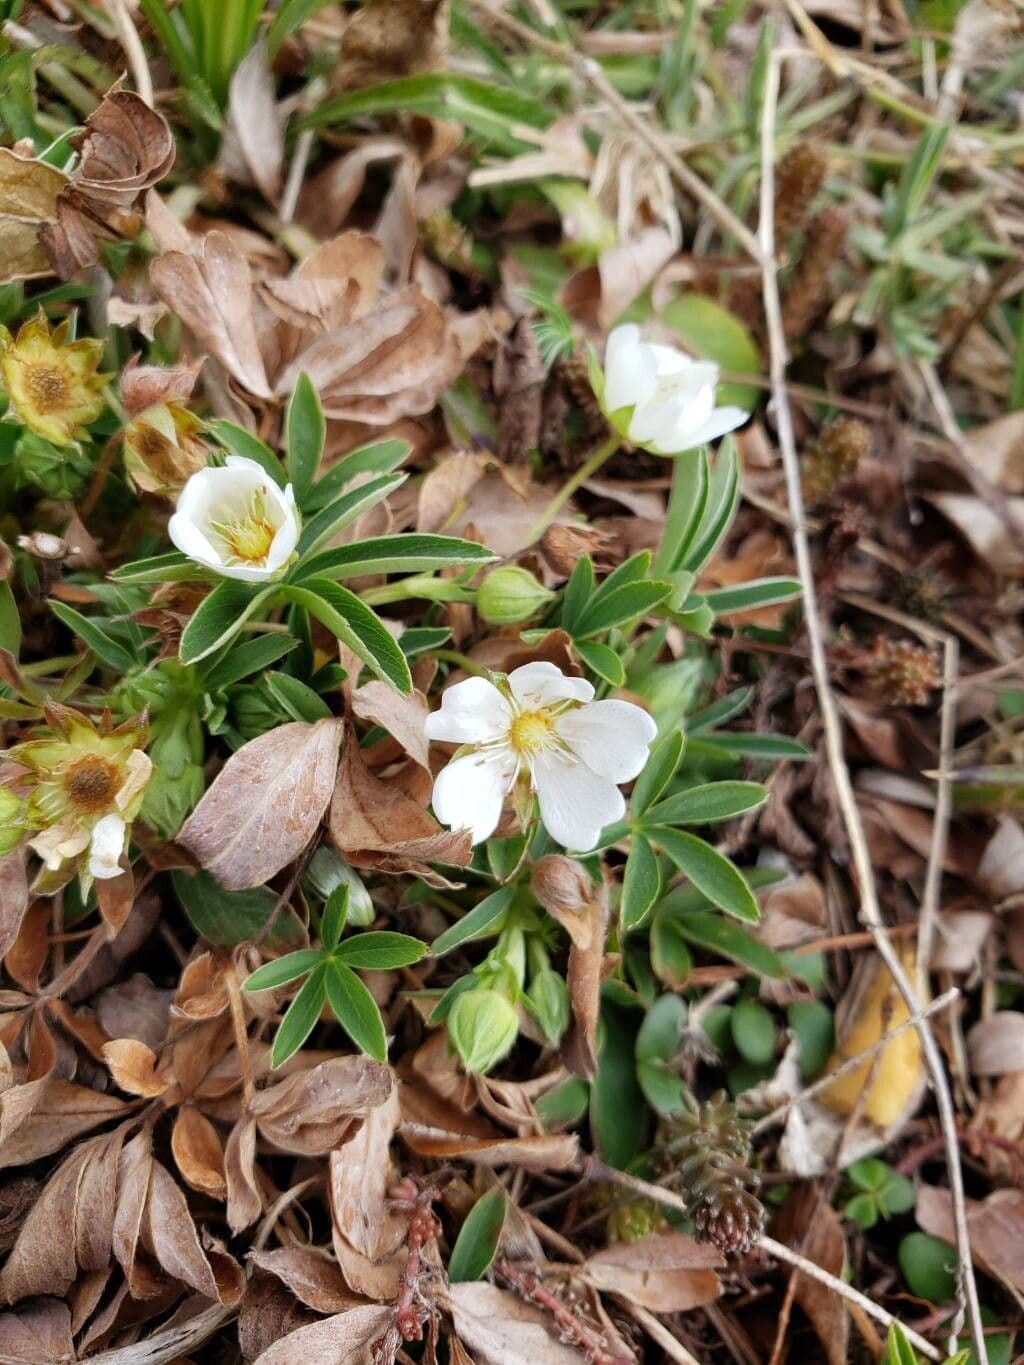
903 673
806 295
798 178
839 449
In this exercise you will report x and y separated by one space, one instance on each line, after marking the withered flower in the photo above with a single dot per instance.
162 442
52 383
82 786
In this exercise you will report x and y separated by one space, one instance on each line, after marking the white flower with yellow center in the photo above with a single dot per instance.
660 398
236 521
545 730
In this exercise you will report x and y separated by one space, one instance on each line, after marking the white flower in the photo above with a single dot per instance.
236 521
106 846
660 398
545 729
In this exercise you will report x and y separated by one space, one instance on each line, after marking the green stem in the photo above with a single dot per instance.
586 471
463 661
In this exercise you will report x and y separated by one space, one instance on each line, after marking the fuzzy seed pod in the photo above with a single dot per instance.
806 294
839 449
704 1153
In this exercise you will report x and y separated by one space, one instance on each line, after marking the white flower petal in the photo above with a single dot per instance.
721 421
575 804
668 426
187 537
630 368
472 712
470 792
106 847
612 737
542 684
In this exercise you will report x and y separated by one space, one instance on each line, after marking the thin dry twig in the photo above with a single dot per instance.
851 1063
943 807
870 909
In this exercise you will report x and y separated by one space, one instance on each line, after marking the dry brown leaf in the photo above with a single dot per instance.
169 1235
500 1329
318 1109
134 1068
143 385
344 1339
995 1228
375 824
445 488
665 1272
995 1045
997 450
327 198
268 1312
28 199
310 1274
135 1009
126 148
960 937
265 804
403 717
56 1112
211 291
245 1203
369 1236
196 1146
13 891
116 896
548 1152
808 1223
254 136
984 529
38 1334
565 890
1001 869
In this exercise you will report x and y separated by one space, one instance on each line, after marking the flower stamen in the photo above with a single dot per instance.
531 731
47 386
249 536
91 782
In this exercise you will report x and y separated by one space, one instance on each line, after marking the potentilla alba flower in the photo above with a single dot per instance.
543 730
659 398
236 521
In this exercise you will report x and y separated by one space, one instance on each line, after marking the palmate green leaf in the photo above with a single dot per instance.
602 660
173 567
618 1115
477 1242
220 617
753 1031
298 700
720 712
671 959
237 441
355 625
712 874
407 553
283 970
305 433
246 658
691 477
657 1045
719 511
335 915
707 804
757 746
356 1010
228 918
763 592
488 110
105 648
580 588
486 918
382 457
721 935
380 950
626 603
336 515
658 772
301 1016
641 883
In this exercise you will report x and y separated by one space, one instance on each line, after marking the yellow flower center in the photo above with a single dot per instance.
531 731
92 782
249 536
47 387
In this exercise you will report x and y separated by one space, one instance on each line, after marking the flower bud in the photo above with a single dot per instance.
509 595
549 996
482 1026
162 449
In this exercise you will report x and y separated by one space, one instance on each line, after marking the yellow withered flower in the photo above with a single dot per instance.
163 449
52 383
82 785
